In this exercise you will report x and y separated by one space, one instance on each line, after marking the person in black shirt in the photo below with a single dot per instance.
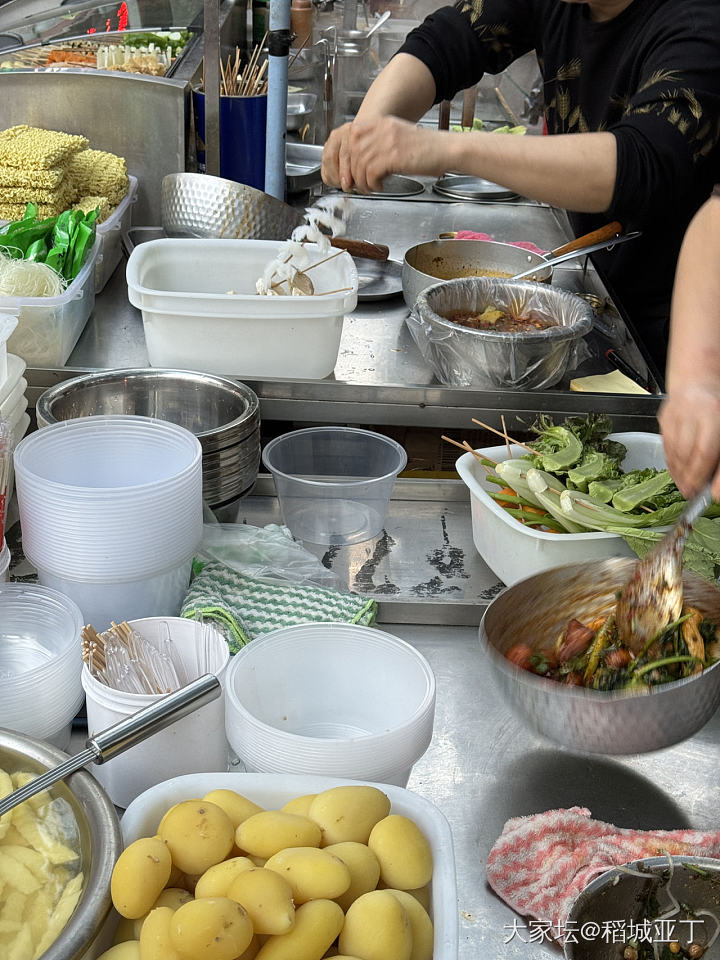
690 415
632 100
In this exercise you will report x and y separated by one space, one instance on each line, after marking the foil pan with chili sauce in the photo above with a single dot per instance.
490 359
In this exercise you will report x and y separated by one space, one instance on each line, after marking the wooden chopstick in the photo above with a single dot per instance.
505 437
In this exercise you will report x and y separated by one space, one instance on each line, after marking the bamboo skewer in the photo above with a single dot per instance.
468 449
505 437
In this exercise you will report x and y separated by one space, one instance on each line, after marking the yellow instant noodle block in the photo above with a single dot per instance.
63 196
49 179
35 148
98 173
86 204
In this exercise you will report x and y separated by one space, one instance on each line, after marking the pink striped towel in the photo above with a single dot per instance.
472 235
540 863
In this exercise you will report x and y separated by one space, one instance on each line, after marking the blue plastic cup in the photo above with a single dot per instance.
242 137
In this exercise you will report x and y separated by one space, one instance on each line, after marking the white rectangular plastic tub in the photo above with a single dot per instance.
49 327
514 551
192 321
111 232
271 791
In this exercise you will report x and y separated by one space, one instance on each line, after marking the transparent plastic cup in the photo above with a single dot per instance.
334 483
40 661
330 698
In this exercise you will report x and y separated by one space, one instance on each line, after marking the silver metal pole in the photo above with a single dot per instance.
275 130
211 49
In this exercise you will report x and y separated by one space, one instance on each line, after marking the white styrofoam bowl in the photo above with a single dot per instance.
272 791
514 551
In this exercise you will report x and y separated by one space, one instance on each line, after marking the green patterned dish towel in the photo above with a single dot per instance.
245 607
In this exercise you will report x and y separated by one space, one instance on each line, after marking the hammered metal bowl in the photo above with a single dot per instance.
197 205
223 414
616 898
593 721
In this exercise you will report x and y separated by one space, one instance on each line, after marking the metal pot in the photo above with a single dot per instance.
434 260
593 721
99 837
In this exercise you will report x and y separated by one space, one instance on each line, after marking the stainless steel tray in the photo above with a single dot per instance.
395 188
378 279
302 166
471 188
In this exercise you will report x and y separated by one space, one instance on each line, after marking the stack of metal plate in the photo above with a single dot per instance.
223 414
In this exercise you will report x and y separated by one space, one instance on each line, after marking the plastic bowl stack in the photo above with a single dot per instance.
111 513
330 699
40 662
223 415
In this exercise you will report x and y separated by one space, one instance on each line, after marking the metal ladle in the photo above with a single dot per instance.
121 736
579 252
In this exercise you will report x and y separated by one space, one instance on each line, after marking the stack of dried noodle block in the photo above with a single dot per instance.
56 170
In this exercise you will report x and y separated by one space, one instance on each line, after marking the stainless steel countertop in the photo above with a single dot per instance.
483 767
380 377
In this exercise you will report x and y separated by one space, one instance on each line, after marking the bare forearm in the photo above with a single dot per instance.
575 171
405 88
694 354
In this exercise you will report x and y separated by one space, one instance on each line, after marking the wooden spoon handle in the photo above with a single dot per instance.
596 236
362 248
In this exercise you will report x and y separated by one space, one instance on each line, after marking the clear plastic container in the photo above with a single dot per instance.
101 602
49 327
243 334
40 660
111 232
195 744
334 483
332 699
8 322
514 551
271 792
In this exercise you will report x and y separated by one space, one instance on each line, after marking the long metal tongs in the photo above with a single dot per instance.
121 736
653 597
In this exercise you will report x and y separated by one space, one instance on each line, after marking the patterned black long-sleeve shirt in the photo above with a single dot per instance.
650 76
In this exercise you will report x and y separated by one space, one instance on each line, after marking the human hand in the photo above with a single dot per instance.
381 146
690 423
335 169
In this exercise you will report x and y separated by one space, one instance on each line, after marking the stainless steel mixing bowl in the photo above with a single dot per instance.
223 414
98 832
593 721
617 897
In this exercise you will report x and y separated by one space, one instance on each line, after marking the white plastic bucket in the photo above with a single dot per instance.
195 744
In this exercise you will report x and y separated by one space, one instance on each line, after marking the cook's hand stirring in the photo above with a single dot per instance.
690 416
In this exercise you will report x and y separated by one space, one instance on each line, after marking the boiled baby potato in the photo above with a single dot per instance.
141 872
268 899
155 943
313 874
348 813
299 805
268 832
173 897
198 833
216 879
130 950
421 894
252 950
403 853
377 927
363 866
215 928
421 926
235 805
317 924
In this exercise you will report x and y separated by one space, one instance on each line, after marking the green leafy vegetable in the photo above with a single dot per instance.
557 448
631 496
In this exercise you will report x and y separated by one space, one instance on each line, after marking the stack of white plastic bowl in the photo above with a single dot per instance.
40 662
111 513
332 699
